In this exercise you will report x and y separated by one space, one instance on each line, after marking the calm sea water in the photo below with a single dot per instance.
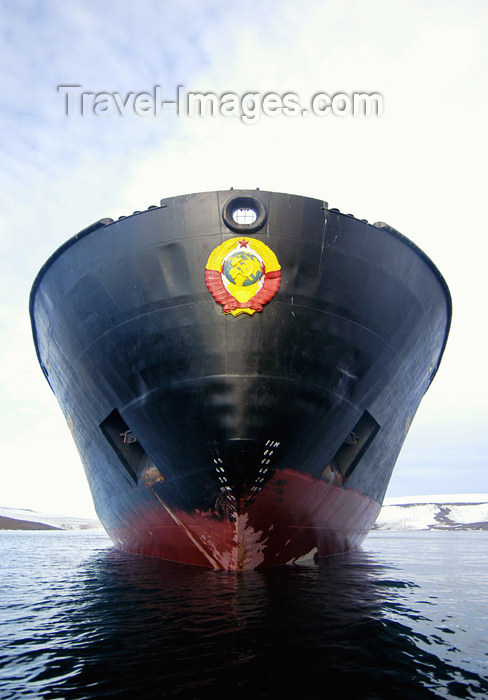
406 617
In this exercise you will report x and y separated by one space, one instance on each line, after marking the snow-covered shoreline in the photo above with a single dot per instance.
25 519
434 512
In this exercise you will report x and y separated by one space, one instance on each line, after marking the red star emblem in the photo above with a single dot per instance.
243 243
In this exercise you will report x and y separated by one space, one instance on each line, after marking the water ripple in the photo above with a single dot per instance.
81 620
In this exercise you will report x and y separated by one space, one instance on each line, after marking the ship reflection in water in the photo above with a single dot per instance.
391 621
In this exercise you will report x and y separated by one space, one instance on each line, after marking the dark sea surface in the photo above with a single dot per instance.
405 617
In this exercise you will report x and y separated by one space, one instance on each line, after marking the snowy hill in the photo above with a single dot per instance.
454 512
23 519
439 512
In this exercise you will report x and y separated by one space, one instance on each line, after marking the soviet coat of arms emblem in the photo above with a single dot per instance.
242 274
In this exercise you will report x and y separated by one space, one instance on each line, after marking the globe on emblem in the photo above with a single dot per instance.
243 269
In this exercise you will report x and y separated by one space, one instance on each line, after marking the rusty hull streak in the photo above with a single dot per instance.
187 532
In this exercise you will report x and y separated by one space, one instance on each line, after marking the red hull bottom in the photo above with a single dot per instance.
295 516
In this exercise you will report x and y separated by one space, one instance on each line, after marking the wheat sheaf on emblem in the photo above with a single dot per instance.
242 275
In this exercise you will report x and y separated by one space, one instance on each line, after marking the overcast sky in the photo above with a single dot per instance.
420 167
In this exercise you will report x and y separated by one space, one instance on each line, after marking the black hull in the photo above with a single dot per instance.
323 382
